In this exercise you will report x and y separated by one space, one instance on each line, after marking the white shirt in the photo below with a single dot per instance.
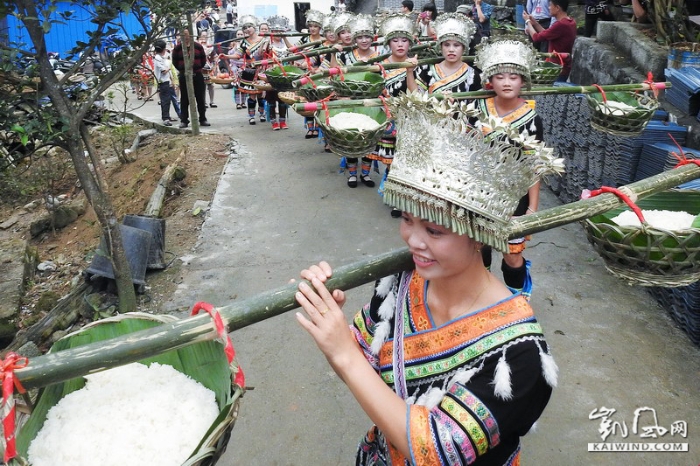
539 9
161 69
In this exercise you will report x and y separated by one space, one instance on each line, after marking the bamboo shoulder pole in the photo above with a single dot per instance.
284 34
64 365
311 53
559 90
586 208
323 50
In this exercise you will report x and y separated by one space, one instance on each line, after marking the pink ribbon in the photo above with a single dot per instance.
239 378
11 362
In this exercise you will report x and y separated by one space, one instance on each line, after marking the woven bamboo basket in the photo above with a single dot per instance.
608 118
545 73
649 256
314 94
216 80
358 85
352 142
281 78
261 86
291 98
204 362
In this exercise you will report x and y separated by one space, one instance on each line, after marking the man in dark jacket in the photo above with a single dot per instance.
198 62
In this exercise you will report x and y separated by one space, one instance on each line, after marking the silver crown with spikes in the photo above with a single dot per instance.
341 22
278 23
454 26
505 56
444 171
397 25
248 20
314 16
362 25
327 20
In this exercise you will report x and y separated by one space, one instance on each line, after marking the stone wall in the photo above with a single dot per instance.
620 53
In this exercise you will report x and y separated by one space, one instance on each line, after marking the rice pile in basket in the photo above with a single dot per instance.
617 108
130 415
661 219
349 120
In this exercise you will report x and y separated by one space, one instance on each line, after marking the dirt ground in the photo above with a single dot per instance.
130 186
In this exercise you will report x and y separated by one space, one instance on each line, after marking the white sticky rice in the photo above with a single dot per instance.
661 219
349 120
616 108
130 415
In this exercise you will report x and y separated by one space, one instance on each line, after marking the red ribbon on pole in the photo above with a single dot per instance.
652 85
623 197
11 362
239 378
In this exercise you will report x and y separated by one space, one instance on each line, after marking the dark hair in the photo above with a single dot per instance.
432 9
408 4
563 4
159 45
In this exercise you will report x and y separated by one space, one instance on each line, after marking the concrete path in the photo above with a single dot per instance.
281 205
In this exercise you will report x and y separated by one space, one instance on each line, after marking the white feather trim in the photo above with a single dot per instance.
388 307
385 285
501 379
462 376
380 336
431 398
533 428
550 370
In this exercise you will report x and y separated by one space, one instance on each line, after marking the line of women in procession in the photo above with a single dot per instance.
449 364
454 33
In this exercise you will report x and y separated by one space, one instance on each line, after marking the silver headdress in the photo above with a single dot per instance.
314 16
326 25
278 23
341 22
445 172
362 25
454 26
397 25
248 20
505 56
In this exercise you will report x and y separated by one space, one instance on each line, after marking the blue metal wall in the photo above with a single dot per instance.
64 35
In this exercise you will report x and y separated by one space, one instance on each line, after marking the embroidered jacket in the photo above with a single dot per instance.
474 385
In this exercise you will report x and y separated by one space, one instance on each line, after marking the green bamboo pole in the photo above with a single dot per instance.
310 54
347 48
284 34
309 44
367 66
64 365
75 362
465 58
361 68
586 208
355 103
